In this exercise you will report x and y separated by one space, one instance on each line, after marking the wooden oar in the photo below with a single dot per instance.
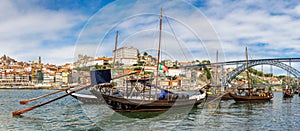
22 102
19 112
217 98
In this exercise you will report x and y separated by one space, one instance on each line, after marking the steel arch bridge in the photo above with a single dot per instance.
231 75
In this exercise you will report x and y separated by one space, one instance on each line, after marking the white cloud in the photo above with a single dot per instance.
25 27
246 23
137 18
236 23
297 10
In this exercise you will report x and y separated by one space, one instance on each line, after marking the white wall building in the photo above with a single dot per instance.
99 61
175 72
126 55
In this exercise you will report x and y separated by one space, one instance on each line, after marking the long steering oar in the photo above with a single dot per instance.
217 98
22 102
19 112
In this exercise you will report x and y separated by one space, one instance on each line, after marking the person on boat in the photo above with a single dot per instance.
117 93
201 95
163 94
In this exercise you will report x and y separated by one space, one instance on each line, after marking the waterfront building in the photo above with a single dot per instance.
175 72
58 77
48 78
126 55
100 61
65 77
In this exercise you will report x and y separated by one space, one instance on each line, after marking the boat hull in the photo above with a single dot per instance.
287 93
137 105
87 99
251 97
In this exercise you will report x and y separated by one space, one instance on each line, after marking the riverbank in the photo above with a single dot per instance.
24 87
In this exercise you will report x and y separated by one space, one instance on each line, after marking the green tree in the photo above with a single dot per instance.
97 67
138 55
208 74
268 74
145 54
206 61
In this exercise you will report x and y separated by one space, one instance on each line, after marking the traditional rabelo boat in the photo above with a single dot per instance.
249 93
142 95
86 98
287 92
134 99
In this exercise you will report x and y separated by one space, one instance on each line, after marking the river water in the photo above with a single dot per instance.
69 114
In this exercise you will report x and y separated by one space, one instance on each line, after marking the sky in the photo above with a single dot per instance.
59 30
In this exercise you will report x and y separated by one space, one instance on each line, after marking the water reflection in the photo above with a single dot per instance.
68 114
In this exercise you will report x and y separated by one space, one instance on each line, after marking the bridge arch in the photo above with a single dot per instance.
231 75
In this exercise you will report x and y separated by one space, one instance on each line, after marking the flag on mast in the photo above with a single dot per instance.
163 67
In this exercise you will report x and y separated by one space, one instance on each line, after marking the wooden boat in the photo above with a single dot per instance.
287 93
246 94
296 91
144 100
134 99
140 104
249 93
86 98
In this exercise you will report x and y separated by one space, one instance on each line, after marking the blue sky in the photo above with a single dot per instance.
59 30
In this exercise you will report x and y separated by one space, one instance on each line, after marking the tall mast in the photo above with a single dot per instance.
159 43
115 52
158 52
217 60
248 76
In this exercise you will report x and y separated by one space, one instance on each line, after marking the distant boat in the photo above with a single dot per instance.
287 92
249 93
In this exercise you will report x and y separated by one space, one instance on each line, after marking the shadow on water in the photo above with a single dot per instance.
107 118
141 115
287 100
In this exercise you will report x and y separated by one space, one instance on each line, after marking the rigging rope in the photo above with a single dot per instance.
175 37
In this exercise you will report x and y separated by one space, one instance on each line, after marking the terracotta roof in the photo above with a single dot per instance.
103 58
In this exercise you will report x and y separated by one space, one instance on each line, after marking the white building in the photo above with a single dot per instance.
175 72
126 55
99 61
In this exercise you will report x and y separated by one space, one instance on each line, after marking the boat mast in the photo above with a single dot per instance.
247 71
217 60
158 52
159 42
115 51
